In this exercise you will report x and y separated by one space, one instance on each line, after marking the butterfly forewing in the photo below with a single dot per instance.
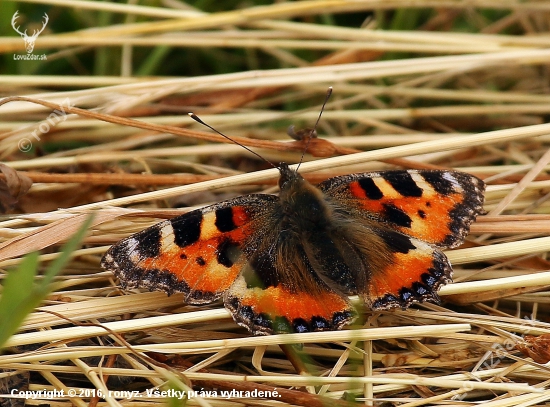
199 253
434 206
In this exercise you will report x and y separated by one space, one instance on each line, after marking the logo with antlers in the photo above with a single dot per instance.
29 39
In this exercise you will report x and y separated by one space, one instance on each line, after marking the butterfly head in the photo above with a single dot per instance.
300 201
289 178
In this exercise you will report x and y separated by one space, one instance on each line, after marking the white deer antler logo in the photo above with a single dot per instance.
29 40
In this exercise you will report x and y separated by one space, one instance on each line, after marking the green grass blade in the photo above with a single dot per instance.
22 292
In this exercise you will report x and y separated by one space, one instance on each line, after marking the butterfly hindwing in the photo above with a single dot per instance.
198 253
431 205
414 272
278 290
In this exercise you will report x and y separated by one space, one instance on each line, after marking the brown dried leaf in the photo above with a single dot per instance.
316 147
536 347
12 186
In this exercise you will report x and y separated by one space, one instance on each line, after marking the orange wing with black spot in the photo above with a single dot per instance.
198 254
434 206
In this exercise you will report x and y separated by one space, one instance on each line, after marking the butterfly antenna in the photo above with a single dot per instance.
198 120
327 97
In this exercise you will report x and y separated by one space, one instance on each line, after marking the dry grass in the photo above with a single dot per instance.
475 101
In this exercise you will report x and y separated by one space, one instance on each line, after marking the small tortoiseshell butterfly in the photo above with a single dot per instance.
288 263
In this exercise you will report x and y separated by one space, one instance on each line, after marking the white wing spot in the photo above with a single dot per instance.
449 177
167 236
131 245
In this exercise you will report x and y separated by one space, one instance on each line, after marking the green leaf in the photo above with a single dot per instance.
15 294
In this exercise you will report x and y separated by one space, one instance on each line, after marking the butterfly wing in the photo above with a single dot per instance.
398 270
401 220
414 272
198 253
434 206
278 291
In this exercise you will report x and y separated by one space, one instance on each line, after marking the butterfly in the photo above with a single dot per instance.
288 263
